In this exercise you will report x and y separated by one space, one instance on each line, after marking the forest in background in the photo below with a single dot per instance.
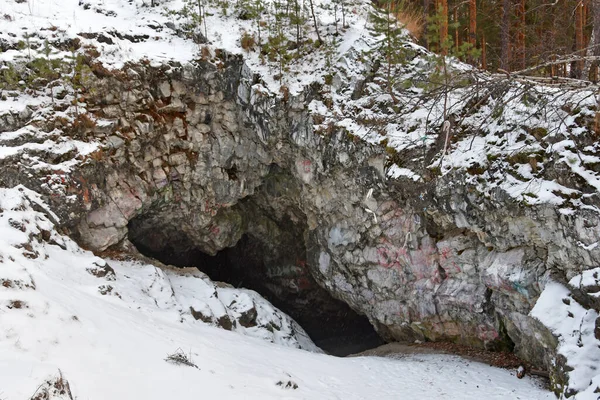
550 38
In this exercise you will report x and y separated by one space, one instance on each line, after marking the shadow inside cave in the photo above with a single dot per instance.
331 323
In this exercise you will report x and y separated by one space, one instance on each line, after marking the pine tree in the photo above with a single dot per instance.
297 20
473 22
442 9
253 9
391 44
193 11
277 47
437 29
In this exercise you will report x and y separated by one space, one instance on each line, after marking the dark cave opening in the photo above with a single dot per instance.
330 323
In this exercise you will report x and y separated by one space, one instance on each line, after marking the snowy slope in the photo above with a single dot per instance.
506 133
136 31
502 132
30 245
574 326
55 320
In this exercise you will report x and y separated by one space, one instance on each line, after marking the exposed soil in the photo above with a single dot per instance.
500 359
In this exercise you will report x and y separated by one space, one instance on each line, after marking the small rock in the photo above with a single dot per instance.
105 271
225 323
199 315
248 318
288 385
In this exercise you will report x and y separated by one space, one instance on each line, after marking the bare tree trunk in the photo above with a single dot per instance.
389 47
297 16
312 11
335 19
425 25
442 9
596 26
552 42
587 66
456 38
596 52
585 13
591 67
505 36
472 26
578 65
521 35
483 52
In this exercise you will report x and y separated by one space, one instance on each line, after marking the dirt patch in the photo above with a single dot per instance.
499 359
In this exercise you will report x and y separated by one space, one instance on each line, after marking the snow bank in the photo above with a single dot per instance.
574 327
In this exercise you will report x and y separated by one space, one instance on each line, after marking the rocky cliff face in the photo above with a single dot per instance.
201 160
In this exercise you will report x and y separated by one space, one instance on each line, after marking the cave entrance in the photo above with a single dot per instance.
281 278
258 243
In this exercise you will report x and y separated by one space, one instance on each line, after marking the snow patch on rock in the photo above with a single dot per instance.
574 326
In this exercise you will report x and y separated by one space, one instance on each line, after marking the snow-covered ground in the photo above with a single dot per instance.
108 334
137 31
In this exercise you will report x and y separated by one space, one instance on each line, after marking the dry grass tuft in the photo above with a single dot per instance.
410 18
247 41
54 388
180 358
